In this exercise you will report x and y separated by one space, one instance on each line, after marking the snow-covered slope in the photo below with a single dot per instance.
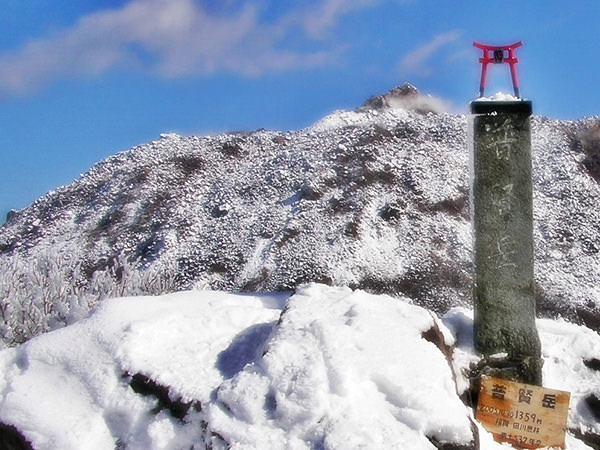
324 368
372 204
375 199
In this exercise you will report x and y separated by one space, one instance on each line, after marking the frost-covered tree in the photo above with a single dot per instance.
50 291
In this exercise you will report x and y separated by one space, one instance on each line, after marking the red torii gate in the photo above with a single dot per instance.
498 54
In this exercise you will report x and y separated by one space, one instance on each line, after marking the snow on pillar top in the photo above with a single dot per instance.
503 106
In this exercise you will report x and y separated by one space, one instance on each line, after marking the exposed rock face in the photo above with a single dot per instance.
589 143
405 92
12 439
405 96
376 199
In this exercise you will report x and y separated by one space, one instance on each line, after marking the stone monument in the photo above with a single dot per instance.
504 297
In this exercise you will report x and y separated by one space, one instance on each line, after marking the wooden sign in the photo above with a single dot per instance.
524 415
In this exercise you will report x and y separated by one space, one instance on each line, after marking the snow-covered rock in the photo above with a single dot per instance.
324 367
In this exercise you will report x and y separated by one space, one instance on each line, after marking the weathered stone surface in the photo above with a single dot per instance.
504 297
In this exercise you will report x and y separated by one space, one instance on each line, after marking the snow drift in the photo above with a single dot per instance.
324 368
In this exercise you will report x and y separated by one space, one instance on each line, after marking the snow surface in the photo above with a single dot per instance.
499 97
325 367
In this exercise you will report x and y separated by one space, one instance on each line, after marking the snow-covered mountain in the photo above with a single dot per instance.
376 199
352 242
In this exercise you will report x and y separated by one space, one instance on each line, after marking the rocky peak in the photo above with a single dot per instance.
406 97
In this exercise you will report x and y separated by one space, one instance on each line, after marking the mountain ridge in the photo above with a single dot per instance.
375 199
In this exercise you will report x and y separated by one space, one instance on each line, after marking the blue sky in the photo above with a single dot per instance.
81 80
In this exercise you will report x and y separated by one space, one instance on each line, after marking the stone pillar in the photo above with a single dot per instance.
504 298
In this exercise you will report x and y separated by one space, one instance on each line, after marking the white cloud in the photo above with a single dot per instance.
416 61
172 38
325 16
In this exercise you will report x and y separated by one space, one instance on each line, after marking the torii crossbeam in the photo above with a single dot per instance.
498 54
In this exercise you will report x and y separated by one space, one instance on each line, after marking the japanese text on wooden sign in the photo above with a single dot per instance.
521 414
